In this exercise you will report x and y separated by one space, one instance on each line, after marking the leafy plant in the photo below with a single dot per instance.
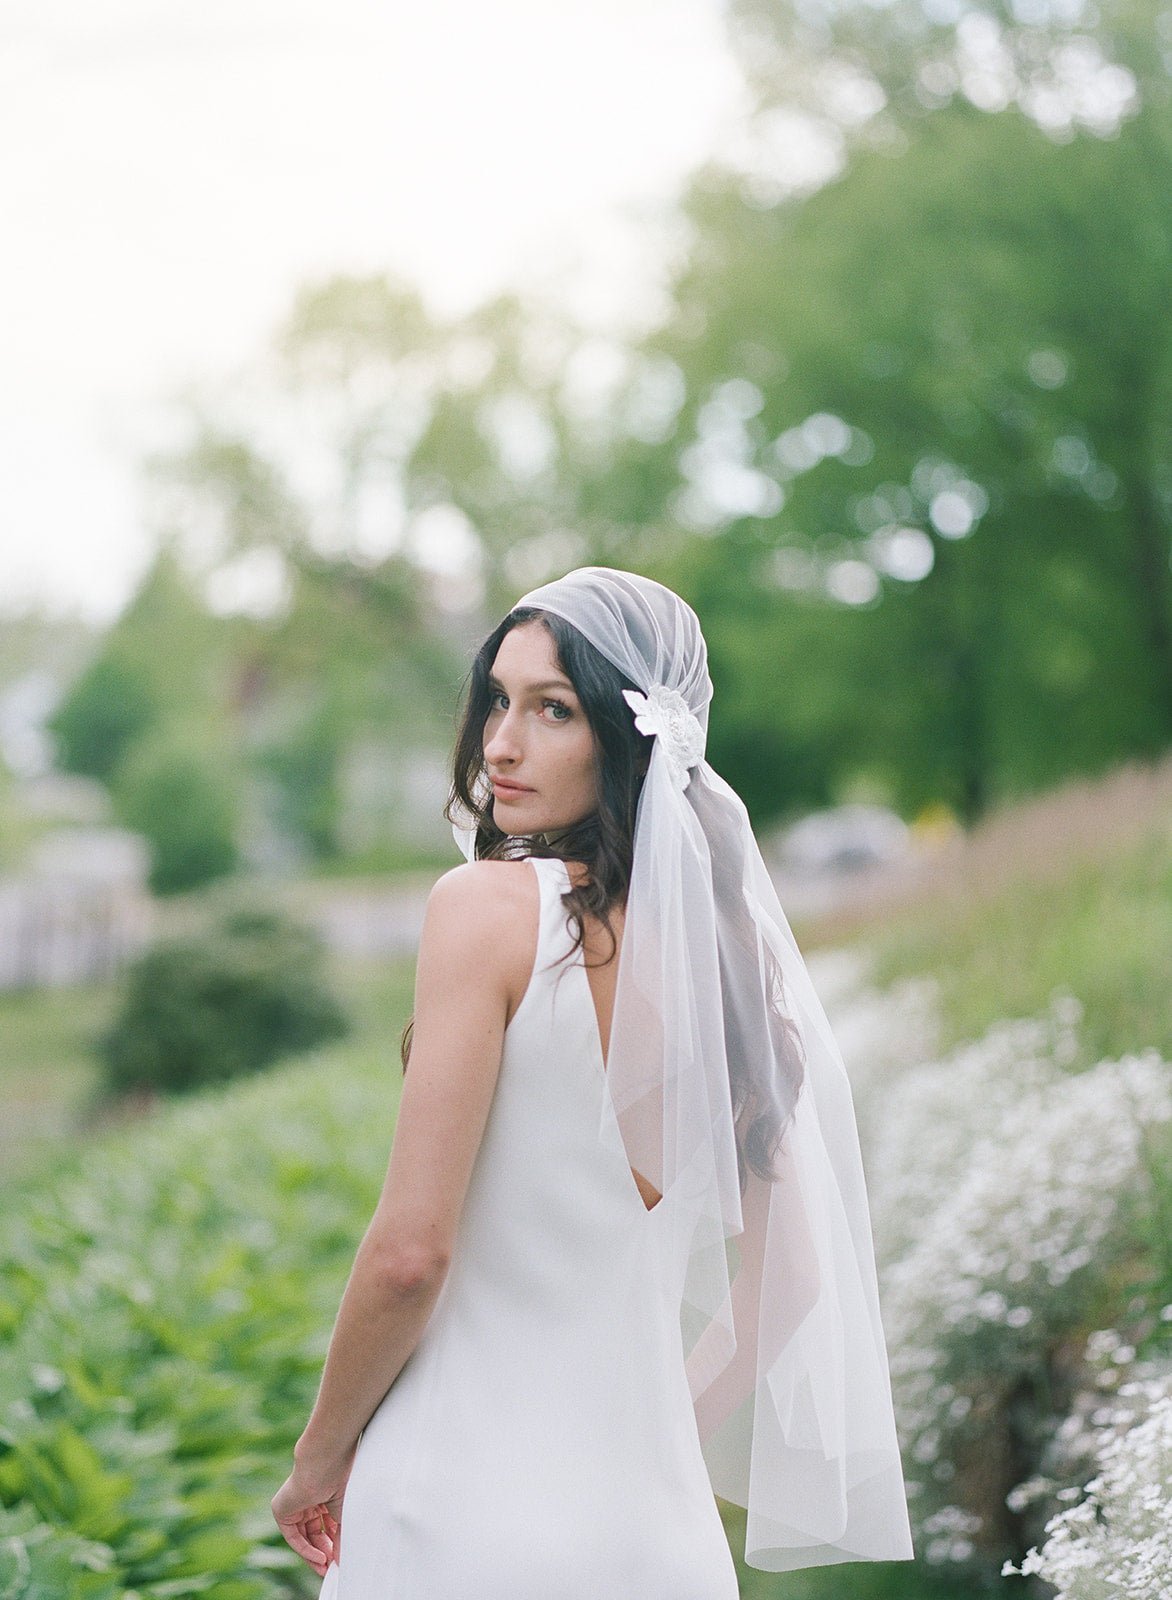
164 1309
219 1003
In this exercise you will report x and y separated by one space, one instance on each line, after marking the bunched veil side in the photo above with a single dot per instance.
776 1280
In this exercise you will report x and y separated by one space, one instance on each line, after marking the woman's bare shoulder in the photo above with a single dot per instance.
491 908
485 887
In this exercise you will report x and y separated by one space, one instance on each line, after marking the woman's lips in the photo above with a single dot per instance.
509 791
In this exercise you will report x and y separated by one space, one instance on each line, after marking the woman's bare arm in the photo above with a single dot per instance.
461 1000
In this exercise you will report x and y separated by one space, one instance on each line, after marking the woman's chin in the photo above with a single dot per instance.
521 820
513 816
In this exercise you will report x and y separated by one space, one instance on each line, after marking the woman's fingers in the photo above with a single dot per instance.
310 1520
308 1534
297 1542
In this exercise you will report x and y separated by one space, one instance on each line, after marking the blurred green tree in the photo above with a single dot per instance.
959 389
163 659
350 647
182 795
901 436
107 709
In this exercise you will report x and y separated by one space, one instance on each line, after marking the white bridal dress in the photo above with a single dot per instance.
540 1443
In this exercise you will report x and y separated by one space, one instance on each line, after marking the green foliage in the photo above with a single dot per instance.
947 304
1102 928
47 1067
354 658
216 1004
182 797
105 712
148 717
160 663
304 766
164 1307
354 654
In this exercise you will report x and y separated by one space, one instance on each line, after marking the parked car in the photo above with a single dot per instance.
842 840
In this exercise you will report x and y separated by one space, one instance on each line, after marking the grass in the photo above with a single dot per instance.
47 1070
49 1075
379 996
1102 930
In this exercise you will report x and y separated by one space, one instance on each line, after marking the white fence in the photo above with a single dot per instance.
55 932
78 913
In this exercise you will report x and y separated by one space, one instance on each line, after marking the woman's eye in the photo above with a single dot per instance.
558 705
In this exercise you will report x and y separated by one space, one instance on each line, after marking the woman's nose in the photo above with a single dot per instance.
502 743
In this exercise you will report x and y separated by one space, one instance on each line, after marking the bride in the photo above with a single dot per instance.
622 1260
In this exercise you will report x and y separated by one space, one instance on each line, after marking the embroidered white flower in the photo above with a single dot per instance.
665 713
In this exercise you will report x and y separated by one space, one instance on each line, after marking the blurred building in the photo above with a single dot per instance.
78 911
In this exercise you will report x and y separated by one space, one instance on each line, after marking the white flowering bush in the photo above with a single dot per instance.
1117 1541
881 1032
1115 1388
1004 1190
924 1133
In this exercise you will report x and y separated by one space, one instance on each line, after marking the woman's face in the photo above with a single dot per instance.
536 736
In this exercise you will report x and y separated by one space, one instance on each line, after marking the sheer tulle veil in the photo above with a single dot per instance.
775 1275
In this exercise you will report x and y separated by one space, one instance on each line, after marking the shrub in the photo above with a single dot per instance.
1006 1193
1118 1539
219 1003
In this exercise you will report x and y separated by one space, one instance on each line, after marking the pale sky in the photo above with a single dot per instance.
170 170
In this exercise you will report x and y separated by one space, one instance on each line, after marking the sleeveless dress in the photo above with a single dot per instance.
540 1442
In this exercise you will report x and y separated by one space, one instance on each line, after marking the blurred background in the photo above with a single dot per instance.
333 329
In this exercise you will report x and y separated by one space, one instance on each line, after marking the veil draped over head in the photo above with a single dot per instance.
776 1280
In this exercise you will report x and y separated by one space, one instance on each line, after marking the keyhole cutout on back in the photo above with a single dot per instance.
601 980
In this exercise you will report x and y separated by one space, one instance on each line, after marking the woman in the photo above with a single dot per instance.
622 1258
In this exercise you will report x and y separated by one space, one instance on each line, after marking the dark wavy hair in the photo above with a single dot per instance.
604 840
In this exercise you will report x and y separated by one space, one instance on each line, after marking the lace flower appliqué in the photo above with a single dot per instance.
665 713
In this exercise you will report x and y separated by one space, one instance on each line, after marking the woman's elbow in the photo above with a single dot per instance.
412 1269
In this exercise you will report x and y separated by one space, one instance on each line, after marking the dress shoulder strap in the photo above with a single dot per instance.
553 935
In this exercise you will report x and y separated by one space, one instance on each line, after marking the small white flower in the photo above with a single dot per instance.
664 713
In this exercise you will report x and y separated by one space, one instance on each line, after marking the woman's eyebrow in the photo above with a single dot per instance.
535 688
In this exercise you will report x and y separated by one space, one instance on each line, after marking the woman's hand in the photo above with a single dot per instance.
308 1511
